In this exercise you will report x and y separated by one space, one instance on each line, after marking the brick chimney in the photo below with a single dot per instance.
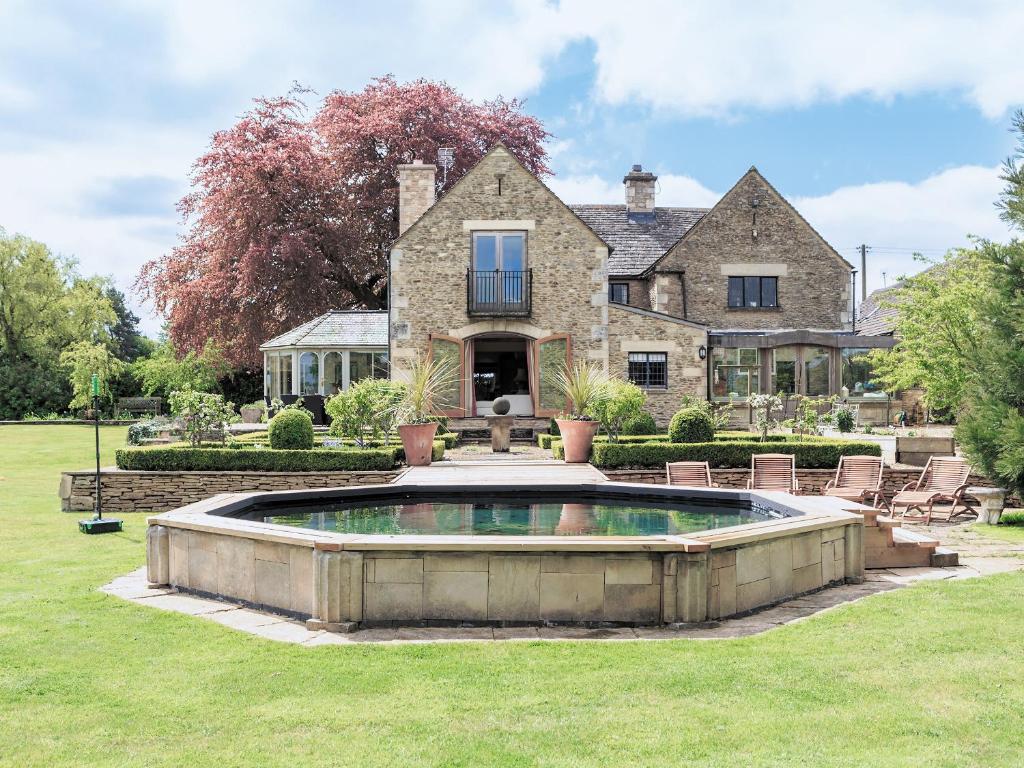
639 190
415 192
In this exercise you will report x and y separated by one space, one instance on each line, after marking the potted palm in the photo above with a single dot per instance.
584 386
426 384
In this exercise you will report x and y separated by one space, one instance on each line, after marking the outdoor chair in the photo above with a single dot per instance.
858 479
773 472
692 474
943 481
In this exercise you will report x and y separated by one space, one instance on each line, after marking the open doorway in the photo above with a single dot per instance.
501 369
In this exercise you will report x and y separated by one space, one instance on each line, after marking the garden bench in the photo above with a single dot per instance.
134 405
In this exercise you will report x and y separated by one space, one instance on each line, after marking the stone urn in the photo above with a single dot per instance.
418 442
577 439
251 415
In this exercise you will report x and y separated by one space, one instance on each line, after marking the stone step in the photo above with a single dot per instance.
944 558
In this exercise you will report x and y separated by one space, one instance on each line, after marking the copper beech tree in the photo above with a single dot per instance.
291 215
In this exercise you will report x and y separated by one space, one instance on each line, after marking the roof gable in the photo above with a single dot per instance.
498 150
709 217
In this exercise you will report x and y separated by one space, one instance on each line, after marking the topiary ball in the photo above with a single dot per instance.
691 425
641 424
501 406
291 429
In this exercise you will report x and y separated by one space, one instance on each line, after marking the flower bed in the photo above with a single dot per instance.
811 452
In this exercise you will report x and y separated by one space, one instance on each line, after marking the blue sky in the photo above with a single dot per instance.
884 126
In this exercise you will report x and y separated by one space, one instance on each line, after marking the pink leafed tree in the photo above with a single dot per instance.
289 217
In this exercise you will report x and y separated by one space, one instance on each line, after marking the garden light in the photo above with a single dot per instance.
98 524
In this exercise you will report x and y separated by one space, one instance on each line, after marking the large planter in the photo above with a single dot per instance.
418 442
251 415
577 439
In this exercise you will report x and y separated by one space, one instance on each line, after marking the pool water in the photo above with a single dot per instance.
512 517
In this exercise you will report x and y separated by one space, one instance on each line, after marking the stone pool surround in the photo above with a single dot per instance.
340 581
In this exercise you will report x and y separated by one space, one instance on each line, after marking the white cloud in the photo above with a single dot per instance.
896 218
719 57
672 190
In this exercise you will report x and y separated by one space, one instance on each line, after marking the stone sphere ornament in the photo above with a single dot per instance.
501 406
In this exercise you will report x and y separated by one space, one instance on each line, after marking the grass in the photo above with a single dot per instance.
930 675
1010 528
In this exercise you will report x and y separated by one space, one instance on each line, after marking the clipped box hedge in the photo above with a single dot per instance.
814 453
188 459
216 459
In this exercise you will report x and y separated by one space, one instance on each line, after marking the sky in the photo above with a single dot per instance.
884 123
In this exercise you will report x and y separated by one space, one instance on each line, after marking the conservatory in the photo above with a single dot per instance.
324 356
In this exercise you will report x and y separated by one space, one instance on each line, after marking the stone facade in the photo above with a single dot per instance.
130 491
631 330
430 261
737 238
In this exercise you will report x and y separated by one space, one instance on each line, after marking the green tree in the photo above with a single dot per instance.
623 401
84 359
163 372
938 326
46 307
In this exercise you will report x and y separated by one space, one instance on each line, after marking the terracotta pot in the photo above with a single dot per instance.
577 439
418 442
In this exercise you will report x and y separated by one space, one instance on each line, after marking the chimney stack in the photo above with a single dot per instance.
415 192
639 190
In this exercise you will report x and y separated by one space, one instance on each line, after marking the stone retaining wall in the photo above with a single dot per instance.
132 491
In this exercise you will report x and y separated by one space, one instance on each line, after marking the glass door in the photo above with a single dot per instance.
552 355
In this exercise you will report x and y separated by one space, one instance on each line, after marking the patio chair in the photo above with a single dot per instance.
858 478
943 481
773 472
692 474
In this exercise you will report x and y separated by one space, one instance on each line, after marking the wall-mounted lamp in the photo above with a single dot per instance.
702 352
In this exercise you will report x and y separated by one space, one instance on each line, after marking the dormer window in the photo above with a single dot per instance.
618 293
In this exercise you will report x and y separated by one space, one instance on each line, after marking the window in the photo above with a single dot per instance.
857 373
503 253
736 372
367 365
753 292
333 373
648 369
786 366
279 373
309 373
816 371
618 293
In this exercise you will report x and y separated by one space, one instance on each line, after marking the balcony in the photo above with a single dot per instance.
498 293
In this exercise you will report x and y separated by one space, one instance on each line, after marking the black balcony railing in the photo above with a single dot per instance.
499 293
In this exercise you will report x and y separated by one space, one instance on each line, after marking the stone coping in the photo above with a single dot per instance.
796 515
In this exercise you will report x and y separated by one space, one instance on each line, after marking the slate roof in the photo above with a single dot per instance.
876 320
337 328
637 240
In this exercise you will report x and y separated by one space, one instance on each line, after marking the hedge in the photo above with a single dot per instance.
819 453
171 459
450 439
545 440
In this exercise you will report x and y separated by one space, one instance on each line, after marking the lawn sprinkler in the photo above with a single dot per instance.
98 524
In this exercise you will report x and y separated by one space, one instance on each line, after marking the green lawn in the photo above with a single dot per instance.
930 675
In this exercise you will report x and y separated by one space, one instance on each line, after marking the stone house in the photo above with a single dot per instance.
509 283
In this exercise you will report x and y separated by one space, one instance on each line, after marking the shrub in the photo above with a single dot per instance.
553 427
810 454
291 429
186 459
640 424
622 400
367 408
843 415
691 425
202 413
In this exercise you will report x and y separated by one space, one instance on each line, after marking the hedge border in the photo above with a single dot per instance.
821 453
